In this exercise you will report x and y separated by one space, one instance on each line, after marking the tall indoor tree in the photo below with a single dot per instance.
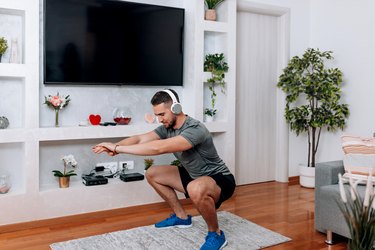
313 94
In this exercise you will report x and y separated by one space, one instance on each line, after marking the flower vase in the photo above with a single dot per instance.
56 117
64 181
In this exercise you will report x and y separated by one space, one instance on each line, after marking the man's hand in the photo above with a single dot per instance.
106 147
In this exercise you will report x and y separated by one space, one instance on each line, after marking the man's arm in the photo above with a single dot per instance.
137 139
154 147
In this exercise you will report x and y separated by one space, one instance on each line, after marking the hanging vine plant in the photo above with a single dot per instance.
216 64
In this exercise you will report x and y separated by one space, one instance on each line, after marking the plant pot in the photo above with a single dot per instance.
0 57
64 181
210 15
208 118
307 176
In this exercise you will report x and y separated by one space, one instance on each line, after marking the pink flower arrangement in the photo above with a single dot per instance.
57 102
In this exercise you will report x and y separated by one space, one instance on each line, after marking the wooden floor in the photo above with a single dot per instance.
286 209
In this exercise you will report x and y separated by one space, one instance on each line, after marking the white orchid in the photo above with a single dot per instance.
69 160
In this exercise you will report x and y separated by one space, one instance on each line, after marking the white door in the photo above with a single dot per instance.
256 97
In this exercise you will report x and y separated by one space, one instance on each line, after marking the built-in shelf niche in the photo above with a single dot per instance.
12 96
12 164
215 42
12 23
51 152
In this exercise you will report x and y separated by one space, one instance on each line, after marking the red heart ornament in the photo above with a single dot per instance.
95 119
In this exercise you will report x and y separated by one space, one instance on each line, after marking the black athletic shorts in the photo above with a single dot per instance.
225 182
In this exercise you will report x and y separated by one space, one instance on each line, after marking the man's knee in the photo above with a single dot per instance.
197 190
150 173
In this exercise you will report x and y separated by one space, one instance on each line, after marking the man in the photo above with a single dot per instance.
203 177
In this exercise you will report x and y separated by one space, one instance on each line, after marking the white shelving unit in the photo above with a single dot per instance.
23 145
219 37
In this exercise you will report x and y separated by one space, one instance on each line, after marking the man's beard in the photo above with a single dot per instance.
171 123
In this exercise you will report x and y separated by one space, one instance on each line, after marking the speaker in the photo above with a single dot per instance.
176 107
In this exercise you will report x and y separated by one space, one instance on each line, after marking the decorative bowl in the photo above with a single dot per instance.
121 115
122 120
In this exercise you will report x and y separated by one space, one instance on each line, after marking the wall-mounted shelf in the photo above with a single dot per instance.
13 135
97 132
12 70
93 132
215 26
217 126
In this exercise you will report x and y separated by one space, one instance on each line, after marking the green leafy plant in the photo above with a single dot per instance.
359 214
69 161
216 64
3 45
213 4
148 163
306 80
176 163
210 112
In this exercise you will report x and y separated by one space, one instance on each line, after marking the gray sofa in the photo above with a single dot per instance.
328 217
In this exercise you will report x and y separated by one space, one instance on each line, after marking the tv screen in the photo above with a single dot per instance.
112 42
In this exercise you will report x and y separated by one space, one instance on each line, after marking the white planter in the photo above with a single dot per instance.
307 176
208 118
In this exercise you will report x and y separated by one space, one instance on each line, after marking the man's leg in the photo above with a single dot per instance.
204 193
165 180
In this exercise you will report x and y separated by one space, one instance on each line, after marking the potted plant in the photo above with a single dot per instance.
313 95
209 114
211 6
216 64
148 163
176 163
359 213
64 177
3 46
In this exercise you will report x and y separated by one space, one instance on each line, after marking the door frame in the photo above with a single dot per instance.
283 42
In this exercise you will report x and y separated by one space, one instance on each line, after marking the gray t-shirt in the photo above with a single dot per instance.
202 159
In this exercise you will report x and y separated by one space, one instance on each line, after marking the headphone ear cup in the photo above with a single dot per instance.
176 108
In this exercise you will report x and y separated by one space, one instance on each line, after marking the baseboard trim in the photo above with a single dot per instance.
293 180
83 218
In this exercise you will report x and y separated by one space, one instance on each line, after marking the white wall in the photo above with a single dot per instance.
345 27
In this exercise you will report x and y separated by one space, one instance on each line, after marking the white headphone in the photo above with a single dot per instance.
176 107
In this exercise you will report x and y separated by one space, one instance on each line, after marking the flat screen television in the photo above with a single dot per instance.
109 42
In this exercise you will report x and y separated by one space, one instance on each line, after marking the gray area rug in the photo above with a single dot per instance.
240 233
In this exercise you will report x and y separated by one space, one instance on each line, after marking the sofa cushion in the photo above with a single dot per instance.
359 158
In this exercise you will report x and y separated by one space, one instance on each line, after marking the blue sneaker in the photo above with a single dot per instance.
214 241
174 221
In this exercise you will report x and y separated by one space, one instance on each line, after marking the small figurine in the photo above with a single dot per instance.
4 122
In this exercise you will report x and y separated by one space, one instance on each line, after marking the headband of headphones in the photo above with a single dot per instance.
176 107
